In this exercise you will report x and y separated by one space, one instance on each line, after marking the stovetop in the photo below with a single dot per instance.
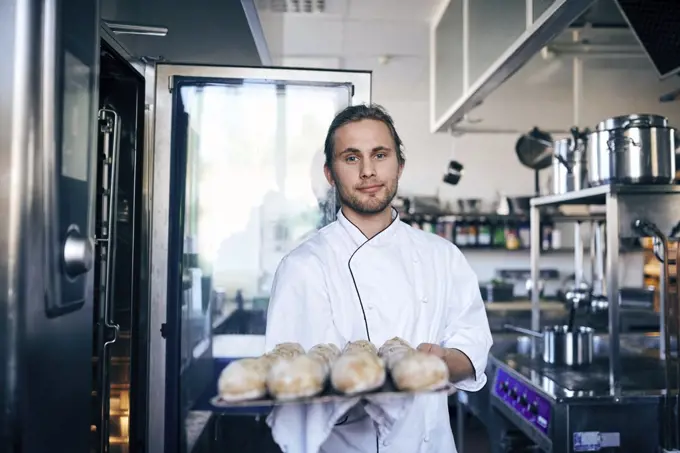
642 374
638 374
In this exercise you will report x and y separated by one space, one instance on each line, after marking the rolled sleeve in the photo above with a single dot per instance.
467 326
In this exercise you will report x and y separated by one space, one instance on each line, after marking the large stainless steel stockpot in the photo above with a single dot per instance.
563 345
632 149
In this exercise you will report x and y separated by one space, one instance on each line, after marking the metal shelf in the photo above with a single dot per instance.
624 204
598 195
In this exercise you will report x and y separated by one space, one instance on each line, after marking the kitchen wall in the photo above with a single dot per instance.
541 94
396 48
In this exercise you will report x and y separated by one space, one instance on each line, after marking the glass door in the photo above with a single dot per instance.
238 183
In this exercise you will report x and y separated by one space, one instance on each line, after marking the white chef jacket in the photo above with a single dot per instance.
338 287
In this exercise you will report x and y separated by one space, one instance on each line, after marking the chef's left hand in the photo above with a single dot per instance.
434 349
458 363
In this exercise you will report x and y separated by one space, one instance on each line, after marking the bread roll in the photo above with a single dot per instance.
326 353
243 379
301 375
246 379
358 369
286 350
296 377
360 345
419 371
394 350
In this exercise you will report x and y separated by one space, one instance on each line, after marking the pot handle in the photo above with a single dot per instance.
523 330
563 161
611 142
636 122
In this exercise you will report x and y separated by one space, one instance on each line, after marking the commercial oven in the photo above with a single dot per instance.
144 208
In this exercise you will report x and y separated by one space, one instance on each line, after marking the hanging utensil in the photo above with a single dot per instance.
453 173
535 149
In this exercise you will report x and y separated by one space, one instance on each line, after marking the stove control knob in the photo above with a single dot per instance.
504 386
523 400
533 408
513 393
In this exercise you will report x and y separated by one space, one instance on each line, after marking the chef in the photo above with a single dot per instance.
370 276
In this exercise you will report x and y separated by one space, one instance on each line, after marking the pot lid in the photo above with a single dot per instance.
635 120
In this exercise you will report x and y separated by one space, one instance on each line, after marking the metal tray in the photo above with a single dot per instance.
327 396
209 401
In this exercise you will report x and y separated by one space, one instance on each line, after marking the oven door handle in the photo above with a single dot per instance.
73 254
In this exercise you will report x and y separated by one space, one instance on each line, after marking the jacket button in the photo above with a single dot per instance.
385 443
426 439
424 300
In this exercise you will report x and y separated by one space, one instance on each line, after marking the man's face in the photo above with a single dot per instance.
365 168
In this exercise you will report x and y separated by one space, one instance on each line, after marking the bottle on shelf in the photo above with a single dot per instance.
498 228
427 224
511 236
484 233
524 234
546 235
473 230
461 232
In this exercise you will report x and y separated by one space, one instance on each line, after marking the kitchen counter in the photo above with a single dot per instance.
523 305
518 313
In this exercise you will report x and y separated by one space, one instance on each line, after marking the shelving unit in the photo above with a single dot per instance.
659 204
554 218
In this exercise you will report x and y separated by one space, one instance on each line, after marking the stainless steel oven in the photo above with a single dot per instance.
48 102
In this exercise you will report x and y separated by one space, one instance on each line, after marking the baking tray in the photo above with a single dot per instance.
210 401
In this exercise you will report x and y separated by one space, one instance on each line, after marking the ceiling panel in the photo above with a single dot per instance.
312 36
392 10
403 78
310 62
380 38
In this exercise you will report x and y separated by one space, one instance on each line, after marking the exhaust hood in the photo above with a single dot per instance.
656 24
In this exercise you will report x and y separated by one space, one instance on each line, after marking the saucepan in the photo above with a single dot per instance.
563 345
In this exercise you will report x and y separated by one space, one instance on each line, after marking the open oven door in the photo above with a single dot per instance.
237 183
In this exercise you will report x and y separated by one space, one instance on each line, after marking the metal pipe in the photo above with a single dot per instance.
578 255
466 45
577 87
603 56
592 49
529 13
126 28
458 130
593 258
535 247
613 296
601 255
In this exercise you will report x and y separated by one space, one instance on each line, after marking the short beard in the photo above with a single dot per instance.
363 208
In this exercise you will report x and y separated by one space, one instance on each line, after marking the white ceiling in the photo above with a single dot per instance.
389 37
